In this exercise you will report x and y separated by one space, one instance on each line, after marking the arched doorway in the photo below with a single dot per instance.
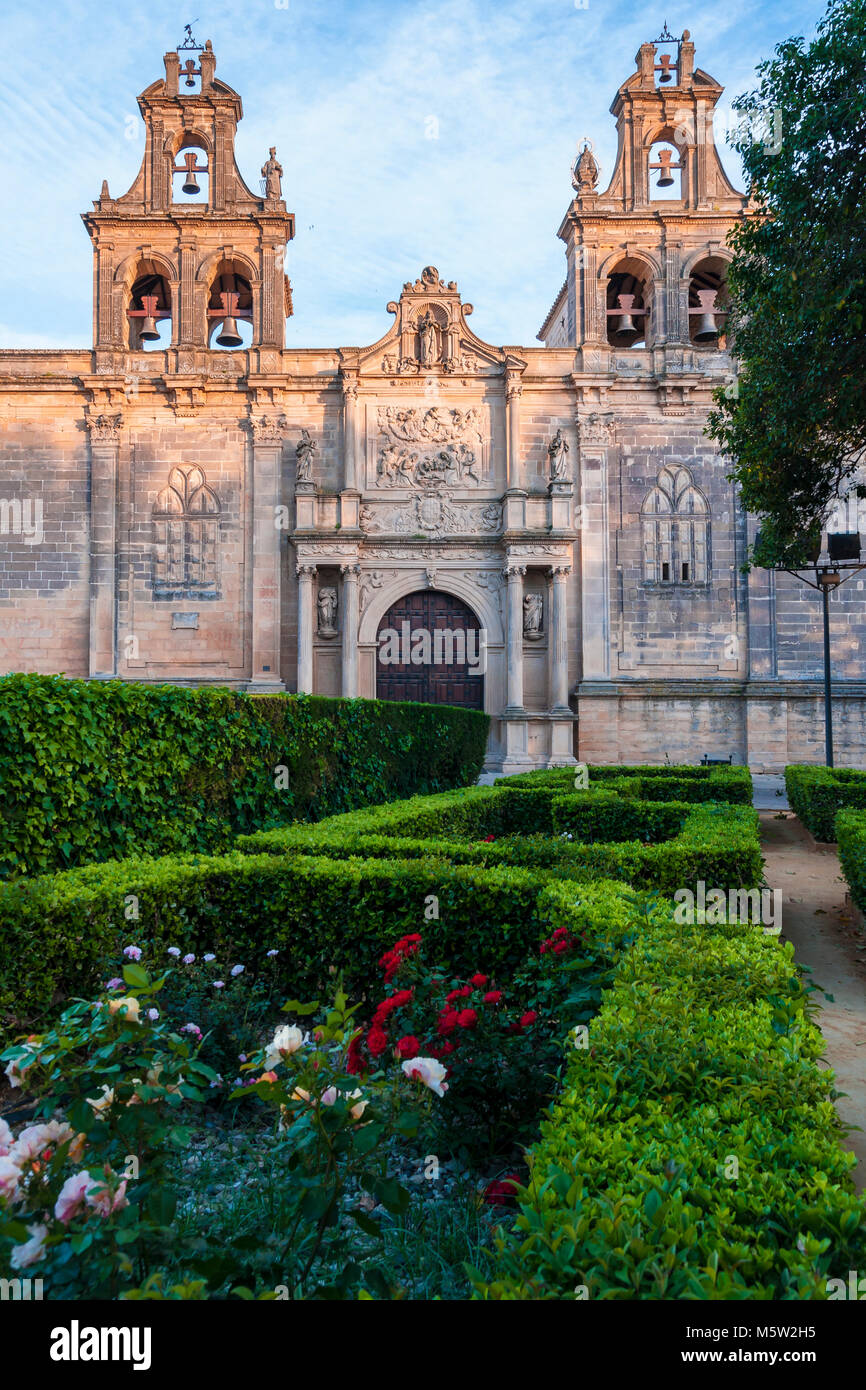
431 647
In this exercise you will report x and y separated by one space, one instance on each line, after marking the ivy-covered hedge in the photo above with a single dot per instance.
694 1153
677 845
98 770
817 793
319 913
851 834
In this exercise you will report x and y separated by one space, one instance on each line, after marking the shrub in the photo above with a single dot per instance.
851 834
716 843
817 793
694 1153
97 770
670 783
317 912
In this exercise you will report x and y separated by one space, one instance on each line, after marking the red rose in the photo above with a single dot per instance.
463 993
502 1192
528 1018
408 1046
488 839
377 1041
493 997
354 1060
478 981
447 1022
467 1018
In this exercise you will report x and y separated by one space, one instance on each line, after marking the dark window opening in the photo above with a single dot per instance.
666 572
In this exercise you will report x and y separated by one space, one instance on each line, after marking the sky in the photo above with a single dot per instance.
410 133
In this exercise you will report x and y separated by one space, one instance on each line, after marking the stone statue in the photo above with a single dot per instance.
305 452
533 607
557 451
327 606
428 330
272 173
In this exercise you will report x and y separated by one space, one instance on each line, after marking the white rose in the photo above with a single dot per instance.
286 1041
32 1250
428 1070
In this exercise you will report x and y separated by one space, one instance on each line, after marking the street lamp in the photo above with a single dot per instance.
843 554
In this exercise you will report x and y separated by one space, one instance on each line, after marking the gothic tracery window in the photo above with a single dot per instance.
675 519
186 534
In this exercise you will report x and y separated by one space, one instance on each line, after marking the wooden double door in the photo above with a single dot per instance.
435 683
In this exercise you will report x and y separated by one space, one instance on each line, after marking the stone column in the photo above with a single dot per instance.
104 448
351 615
559 641
596 438
267 433
306 574
514 575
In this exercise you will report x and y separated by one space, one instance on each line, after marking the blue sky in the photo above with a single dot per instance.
346 90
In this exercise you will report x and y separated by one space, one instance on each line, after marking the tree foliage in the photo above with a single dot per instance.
795 428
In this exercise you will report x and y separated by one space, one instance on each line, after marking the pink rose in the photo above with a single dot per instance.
71 1199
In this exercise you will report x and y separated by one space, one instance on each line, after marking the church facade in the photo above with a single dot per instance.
544 532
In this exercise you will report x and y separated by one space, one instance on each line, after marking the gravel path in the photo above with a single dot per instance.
832 944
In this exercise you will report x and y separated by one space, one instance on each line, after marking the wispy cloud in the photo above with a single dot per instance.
410 133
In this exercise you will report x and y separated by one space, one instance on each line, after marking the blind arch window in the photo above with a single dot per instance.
675 520
186 536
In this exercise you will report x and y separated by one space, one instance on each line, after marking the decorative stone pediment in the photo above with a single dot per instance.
430 334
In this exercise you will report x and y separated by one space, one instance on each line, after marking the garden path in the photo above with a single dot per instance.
828 939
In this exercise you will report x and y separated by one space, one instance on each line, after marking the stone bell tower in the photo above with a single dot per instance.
190 259
647 257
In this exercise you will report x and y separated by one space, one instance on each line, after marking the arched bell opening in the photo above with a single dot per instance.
229 309
665 169
190 177
149 312
629 304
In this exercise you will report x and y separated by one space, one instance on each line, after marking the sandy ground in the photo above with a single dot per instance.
832 945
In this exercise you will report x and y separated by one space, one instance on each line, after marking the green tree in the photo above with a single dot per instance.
795 427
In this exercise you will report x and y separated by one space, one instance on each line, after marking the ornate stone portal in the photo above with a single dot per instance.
558 503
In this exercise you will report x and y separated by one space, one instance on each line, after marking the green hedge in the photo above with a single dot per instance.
817 793
718 844
851 834
319 913
694 1153
671 783
98 770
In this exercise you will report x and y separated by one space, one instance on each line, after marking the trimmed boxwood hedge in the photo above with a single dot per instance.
817 793
694 1152
671 783
94 770
319 913
851 834
678 844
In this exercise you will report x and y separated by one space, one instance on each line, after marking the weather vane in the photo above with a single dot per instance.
188 40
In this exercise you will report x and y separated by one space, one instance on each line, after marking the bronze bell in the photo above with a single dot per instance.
148 333
228 335
706 330
190 182
625 324
665 66
666 178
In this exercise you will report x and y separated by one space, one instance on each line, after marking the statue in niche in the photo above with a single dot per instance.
327 608
533 608
428 332
305 452
557 453
272 173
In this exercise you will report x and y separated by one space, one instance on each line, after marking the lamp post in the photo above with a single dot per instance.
843 552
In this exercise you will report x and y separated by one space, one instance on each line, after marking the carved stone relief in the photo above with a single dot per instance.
431 448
